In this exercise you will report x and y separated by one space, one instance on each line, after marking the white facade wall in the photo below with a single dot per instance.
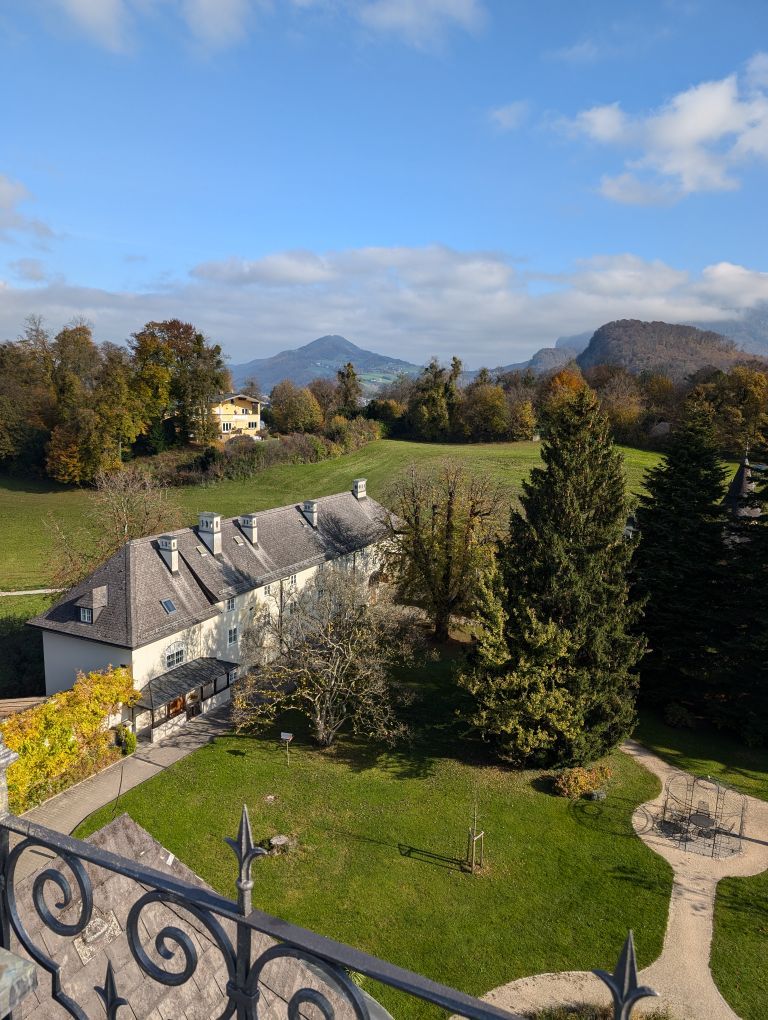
67 655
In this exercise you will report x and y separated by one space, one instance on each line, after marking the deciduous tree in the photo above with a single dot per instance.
329 653
443 536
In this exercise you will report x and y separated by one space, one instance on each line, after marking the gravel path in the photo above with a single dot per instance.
681 975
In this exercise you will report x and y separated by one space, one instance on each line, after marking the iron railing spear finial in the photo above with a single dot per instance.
244 849
112 1001
623 982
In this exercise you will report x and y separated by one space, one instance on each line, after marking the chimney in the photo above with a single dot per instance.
169 550
309 509
358 488
248 525
209 530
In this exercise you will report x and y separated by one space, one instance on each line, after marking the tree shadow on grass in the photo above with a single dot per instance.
404 849
612 815
636 877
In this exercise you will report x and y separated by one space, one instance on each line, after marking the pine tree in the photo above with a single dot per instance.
566 691
349 391
679 566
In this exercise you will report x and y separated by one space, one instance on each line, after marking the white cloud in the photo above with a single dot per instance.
695 142
31 270
408 302
104 20
511 116
583 52
282 269
421 21
220 23
12 220
217 23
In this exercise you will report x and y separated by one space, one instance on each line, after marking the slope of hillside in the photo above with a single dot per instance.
676 350
322 358
749 331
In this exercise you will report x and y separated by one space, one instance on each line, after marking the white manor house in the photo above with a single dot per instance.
173 608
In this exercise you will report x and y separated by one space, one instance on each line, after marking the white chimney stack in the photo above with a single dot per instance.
169 550
249 527
310 511
358 488
209 529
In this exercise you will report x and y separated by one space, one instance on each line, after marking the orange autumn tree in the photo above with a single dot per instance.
66 738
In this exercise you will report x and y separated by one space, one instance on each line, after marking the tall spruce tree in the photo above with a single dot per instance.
739 688
679 566
564 692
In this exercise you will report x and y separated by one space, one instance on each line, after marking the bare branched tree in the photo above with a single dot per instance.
328 651
126 504
444 530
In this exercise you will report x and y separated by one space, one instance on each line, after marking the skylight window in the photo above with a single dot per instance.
202 550
238 540
168 605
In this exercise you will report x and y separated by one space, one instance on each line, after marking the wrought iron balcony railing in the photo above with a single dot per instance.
230 926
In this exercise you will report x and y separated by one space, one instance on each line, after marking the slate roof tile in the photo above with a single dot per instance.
137 578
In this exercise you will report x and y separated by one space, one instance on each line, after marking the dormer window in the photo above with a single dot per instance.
86 615
168 605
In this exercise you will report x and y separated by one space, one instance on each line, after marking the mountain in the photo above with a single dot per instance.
749 331
545 360
578 342
676 350
322 358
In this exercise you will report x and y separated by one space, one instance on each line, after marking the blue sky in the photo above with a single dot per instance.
423 176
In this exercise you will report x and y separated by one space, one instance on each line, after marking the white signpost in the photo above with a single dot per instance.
287 737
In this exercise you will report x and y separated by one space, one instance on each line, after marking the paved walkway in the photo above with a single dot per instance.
681 975
64 812
34 591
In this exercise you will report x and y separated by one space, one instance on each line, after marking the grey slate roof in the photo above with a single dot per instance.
182 679
137 578
737 497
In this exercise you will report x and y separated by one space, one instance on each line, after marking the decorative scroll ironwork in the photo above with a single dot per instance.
329 963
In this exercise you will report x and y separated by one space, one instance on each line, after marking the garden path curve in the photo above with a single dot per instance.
681 975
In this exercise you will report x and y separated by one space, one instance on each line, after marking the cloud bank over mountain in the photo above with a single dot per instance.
405 302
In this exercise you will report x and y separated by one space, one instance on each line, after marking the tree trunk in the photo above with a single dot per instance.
442 626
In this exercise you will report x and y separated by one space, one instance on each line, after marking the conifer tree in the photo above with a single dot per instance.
679 566
566 690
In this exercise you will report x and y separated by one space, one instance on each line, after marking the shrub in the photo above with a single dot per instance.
125 739
66 738
679 716
579 782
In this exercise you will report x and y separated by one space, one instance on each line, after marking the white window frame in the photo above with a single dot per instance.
232 635
292 582
230 604
175 654
86 615
226 426
267 589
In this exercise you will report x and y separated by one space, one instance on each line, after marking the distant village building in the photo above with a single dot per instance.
237 414
173 608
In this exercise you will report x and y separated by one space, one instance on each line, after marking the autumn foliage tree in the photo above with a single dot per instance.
66 737
443 538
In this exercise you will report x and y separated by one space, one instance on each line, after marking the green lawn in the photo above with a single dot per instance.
21 650
379 835
25 506
706 752
741 909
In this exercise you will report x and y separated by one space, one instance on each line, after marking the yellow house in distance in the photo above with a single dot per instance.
237 414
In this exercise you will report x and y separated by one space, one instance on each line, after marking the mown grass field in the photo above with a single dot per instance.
741 909
379 839
26 506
